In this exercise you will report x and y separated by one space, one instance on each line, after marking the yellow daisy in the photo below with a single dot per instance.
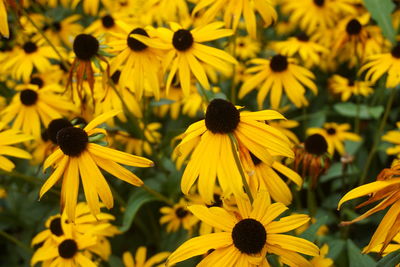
247 237
210 143
276 75
178 216
394 138
10 137
140 258
64 31
384 63
77 157
386 190
335 134
347 87
233 10
245 47
186 53
32 106
310 52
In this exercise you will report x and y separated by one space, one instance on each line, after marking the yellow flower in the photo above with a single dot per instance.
210 143
140 258
233 10
322 260
3 21
246 47
384 63
32 106
7 138
347 87
335 134
394 138
185 53
247 237
77 157
384 189
178 216
64 31
276 75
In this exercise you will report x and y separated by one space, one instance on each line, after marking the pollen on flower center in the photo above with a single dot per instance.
278 63
135 44
316 144
108 21
353 27
30 47
68 248
221 116
37 81
319 3
182 40
28 97
85 46
396 51
55 227
331 131
72 141
249 236
181 213
55 126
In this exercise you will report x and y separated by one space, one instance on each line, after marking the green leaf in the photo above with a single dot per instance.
311 232
390 260
161 102
365 112
356 258
381 11
136 200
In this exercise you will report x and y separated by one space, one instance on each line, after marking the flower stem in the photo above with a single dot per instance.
234 146
62 61
378 136
15 241
357 118
157 195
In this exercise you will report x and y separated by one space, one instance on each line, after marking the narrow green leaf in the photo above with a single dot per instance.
390 260
381 11
365 112
356 258
311 233
136 200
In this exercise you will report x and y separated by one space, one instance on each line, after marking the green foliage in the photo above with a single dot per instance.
381 11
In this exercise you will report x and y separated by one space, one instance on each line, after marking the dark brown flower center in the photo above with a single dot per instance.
221 116
331 131
182 40
396 51
319 3
85 46
28 97
107 21
55 227
72 141
249 236
55 126
316 144
181 213
68 248
30 47
353 27
303 37
135 44
278 63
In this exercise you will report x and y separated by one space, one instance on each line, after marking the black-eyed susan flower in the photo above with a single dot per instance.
25 58
347 87
386 190
210 144
31 107
394 138
234 10
107 24
309 51
140 258
178 216
9 137
335 134
312 158
313 15
247 237
186 54
63 32
267 177
160 12
383 63
277 76
245 47
77 157
136 59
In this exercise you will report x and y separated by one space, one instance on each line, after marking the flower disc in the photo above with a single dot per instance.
221 116
249 236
